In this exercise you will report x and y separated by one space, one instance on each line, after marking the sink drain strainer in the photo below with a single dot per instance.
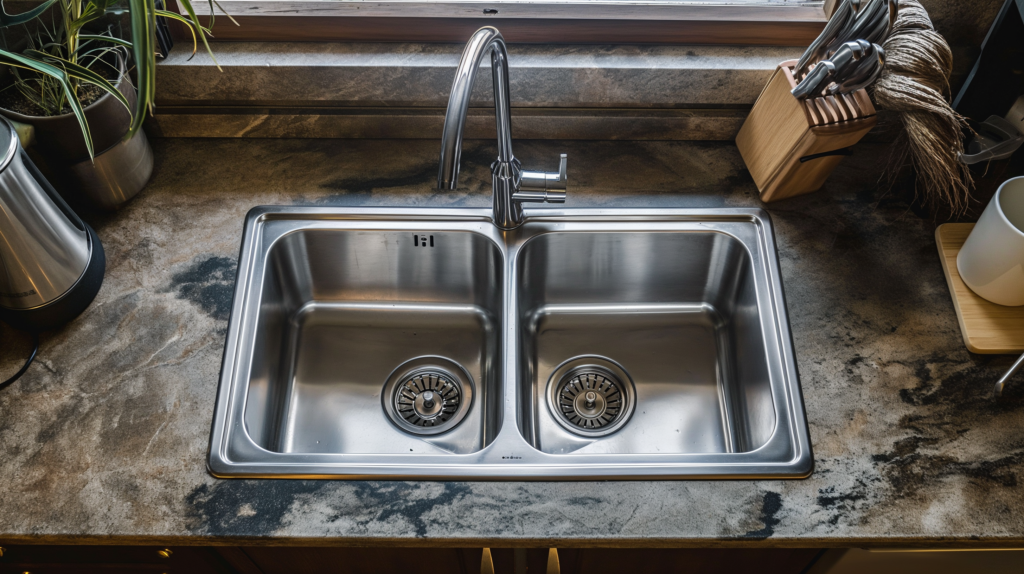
427 395
591 396
428 398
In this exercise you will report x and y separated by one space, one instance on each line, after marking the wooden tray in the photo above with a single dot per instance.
987 328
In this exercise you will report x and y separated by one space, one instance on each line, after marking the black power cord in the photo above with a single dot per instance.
32 357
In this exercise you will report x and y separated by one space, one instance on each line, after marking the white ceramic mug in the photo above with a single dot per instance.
991 262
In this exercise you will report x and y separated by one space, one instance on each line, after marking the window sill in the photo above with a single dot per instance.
401 90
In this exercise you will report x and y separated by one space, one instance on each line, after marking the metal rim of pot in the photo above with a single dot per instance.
100 135
122 74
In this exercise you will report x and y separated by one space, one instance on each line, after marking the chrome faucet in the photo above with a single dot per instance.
512 185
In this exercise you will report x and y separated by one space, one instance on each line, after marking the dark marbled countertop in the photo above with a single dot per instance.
105 439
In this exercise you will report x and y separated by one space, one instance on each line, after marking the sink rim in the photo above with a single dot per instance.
232 453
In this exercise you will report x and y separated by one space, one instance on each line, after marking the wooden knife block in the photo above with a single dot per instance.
791 146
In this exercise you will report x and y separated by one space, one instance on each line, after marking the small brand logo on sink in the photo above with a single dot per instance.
511 457
422 240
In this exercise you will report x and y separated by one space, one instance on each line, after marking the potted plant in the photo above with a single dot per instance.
71 83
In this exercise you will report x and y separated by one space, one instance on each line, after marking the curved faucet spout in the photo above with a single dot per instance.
486 39
511 185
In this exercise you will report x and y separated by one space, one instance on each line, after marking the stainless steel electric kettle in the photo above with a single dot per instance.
51 262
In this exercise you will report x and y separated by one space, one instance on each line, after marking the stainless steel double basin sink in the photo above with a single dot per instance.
584 344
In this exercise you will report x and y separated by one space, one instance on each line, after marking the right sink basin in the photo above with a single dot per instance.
642 342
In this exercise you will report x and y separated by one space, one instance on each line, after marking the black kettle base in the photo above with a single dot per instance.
69 305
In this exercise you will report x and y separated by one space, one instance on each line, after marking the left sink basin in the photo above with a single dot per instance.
345 306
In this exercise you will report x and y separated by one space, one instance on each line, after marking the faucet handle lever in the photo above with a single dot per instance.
562 176
543 186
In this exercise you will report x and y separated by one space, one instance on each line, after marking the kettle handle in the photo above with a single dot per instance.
50 191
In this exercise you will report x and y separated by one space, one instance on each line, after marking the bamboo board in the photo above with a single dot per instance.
987 328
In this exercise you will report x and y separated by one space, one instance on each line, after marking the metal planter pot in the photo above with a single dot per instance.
120 170
117 174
